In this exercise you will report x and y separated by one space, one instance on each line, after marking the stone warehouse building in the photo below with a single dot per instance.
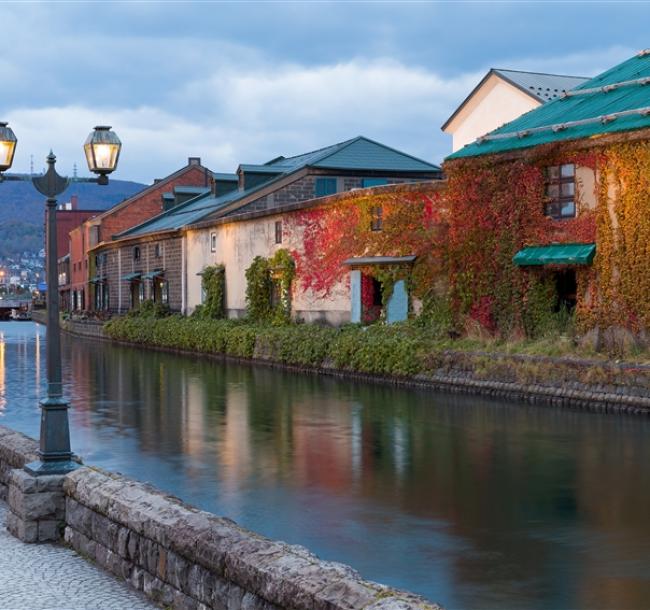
553 208
234 240
160 259
87 282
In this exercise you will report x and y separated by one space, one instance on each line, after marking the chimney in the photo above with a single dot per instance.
74 202
194 161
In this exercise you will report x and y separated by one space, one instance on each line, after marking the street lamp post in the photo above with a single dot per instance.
102 149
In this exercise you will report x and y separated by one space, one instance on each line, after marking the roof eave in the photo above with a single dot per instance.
578 143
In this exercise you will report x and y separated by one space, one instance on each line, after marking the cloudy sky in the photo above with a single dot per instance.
246 82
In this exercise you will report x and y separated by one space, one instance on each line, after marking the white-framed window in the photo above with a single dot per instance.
213 241
560 191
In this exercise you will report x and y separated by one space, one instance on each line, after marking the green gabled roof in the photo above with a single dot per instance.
358 153
614 101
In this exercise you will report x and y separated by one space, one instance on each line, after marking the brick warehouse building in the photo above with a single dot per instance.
68 216
87 287
150 261
551 212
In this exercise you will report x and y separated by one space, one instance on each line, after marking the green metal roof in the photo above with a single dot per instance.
556 254
358 153
152 274
225 177
591 109
131 276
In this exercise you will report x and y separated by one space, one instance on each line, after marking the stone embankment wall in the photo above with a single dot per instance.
188 559
84 328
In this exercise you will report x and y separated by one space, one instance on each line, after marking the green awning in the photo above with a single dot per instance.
152 274
556 254
129 277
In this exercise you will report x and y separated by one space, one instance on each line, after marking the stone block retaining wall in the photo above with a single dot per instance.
16 450
181 557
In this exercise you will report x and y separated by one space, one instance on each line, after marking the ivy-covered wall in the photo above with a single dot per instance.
496 207
411 222
464 233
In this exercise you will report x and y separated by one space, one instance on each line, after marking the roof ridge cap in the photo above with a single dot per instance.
385 146
322 149
540 73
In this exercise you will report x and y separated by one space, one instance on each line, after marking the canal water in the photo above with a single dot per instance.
471 502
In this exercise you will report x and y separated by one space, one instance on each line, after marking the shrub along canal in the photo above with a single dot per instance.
474 503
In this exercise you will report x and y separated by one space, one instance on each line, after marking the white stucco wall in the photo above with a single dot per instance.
495 103
238 243
586 188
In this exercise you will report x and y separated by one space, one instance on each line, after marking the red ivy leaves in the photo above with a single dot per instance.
341 230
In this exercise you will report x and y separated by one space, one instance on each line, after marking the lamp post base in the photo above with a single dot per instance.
44 469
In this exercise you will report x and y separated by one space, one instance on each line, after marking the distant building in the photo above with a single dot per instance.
500 97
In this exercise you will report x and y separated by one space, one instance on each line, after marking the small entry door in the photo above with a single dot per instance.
566 288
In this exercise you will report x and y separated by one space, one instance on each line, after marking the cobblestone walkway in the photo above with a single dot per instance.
51 577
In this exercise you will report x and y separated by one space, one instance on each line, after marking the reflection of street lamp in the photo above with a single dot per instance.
102 150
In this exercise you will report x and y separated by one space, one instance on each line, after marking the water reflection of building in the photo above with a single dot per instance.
526 495
233 438
3 372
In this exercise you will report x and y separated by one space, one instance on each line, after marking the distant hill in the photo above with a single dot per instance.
22 209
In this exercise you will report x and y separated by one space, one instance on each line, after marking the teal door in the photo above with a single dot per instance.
397 309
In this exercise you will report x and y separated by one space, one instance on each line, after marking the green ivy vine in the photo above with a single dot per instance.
258 290
213 283
283 271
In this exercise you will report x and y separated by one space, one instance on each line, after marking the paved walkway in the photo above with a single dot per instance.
52 577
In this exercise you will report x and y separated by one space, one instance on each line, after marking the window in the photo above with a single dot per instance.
560 191
278 232
136 253
376 218
325 186
164 292
368 182
156 251
141 292
213 242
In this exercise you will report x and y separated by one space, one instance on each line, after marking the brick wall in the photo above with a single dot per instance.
66 220
148 205
305 188
120 262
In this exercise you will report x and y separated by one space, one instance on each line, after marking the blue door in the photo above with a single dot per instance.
397 309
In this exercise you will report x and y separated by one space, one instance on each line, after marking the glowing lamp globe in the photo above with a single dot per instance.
7 147
102 150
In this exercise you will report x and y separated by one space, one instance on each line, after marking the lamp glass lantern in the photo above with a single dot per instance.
7 147
102 148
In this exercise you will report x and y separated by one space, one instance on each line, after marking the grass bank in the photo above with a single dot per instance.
552 369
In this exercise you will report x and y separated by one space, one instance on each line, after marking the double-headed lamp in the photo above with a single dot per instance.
102 150
7 147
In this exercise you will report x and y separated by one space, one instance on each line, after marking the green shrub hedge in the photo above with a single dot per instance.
402 350
387 350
